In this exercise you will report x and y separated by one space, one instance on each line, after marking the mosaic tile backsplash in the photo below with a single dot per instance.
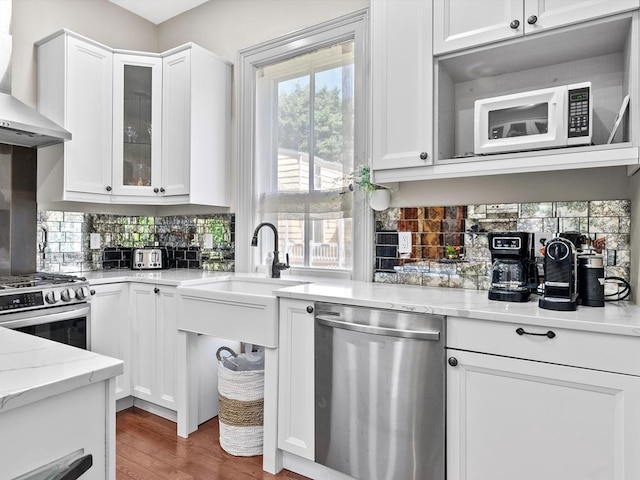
64 238
450 248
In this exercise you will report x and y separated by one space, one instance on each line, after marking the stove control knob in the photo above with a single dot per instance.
67 294
82 293
52 297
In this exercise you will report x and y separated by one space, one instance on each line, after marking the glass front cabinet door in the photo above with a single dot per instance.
137 117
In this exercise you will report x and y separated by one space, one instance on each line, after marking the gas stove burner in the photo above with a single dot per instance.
37 279
39 291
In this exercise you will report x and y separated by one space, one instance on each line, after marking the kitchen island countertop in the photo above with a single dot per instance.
33 368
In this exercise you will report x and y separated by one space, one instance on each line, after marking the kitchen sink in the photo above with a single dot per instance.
249 286
243 309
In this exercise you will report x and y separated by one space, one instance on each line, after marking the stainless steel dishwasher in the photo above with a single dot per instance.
379 392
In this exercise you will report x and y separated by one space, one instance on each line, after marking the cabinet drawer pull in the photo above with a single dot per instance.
514 24
424 156
532 20
522 331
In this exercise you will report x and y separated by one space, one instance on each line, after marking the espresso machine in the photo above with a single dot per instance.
514 274
560 279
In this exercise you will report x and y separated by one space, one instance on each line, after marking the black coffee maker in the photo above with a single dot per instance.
514 274
560 280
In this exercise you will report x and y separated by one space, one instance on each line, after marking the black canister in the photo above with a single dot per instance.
591 280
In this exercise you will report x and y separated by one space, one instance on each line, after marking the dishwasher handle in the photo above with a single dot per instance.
374 330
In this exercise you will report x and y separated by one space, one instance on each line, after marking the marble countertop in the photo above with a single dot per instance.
175 277
32 368
621 318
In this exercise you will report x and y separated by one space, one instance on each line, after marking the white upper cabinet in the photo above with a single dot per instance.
195 126
137 119
402 84
460 24
149 129
75 91
425 102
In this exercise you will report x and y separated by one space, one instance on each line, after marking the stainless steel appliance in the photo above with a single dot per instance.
51 306
149 258
20 124
379 388
551 117
514 274
560 279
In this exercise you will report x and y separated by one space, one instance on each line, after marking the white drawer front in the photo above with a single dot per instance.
600 351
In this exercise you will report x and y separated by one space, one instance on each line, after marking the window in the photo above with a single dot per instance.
301 133
305 153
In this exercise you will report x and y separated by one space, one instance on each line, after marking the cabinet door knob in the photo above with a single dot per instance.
309 309
155 190
514 24
156 290
161 189
453 361
108 189
548 334
424 155
532 20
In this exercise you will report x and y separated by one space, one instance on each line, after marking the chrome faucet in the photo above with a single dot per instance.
276 265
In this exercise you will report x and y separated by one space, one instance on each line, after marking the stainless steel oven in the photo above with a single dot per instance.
68 324
50 306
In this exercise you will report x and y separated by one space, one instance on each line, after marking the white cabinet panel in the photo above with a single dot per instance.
557 13
460 24
154 343
176 73
509 418
196 126
75 91
465 23
110 329
402 84
296 417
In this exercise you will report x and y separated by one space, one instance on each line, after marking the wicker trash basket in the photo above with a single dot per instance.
241 408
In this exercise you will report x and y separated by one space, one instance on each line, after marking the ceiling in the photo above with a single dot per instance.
158 11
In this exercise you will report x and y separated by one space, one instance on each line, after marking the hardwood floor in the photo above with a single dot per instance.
148 448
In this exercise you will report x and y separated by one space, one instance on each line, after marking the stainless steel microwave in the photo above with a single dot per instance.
546 118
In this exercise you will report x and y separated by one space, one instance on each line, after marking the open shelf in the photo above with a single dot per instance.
604 52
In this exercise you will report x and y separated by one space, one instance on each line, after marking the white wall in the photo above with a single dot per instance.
226 26
99 20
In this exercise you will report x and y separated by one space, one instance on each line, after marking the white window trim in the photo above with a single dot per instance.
351 26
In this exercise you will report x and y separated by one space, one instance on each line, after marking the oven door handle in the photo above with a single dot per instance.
28 321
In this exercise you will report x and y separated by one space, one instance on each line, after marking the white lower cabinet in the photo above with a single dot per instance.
296 418
512 418
110 331
154 338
